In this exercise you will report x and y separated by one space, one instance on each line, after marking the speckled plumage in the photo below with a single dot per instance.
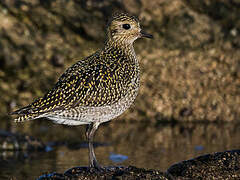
97 88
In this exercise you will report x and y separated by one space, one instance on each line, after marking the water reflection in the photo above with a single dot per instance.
117 158
139 144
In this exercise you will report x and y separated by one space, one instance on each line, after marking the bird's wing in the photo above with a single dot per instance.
95 81
70 88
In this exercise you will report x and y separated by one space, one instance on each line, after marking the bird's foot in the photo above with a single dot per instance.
94 165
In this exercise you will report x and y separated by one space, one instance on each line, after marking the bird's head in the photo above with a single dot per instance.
125 29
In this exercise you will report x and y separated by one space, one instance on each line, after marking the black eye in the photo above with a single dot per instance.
126 26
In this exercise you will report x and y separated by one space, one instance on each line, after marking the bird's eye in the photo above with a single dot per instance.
126 26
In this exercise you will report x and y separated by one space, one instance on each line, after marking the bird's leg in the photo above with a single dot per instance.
90 131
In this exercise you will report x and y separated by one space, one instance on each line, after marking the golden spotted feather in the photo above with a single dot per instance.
99 87
101 79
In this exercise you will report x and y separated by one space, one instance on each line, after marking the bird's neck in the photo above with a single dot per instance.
124 46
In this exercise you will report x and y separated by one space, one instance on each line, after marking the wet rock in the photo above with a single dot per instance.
221 165
130 173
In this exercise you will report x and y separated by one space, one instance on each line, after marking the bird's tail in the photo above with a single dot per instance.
22 111
26 117
24 114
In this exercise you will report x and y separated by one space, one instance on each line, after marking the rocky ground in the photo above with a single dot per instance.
190 71
222 165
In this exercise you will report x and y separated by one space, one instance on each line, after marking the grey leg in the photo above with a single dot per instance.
90 131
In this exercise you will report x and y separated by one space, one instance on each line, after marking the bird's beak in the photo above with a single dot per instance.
146 35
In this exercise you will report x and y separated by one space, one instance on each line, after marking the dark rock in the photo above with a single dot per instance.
130 173
221 165
52 176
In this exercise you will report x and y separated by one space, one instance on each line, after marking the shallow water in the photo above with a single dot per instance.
121 144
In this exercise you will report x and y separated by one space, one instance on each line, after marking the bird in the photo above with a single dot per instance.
95 89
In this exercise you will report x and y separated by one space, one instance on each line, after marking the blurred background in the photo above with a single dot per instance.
189 98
